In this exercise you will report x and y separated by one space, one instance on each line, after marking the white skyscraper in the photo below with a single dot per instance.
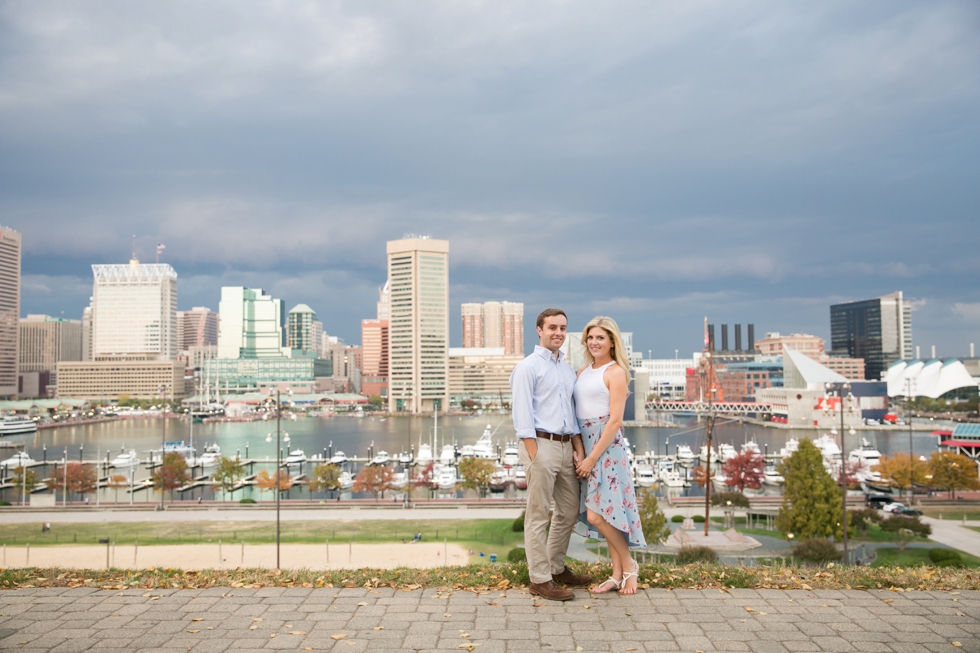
134 312
250 324
9 309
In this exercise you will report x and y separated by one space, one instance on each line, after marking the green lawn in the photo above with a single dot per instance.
915 558
952 513
478 534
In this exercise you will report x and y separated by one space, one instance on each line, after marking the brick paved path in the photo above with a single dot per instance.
215 620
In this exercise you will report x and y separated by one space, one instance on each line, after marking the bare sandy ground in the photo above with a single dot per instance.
422 555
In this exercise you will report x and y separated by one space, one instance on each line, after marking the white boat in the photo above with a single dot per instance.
671 478
467 451
703 454
645 476
447 478
520 478
399 480
832 456
498 480
424 456
484 446
751 447
720 481
789 448
684 454
511 456
19 459
295 457
405 458
866 455
211 456
345 481
381 458
726 452
127 459
448 455
771 477
17 426
184 450
338 458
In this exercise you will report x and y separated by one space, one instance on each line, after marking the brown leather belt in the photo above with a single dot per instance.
555 437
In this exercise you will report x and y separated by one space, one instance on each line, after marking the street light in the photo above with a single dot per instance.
840 388
909 388
268 438
163 387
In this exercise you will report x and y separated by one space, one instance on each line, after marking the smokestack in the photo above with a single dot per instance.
724 337
711 336
738 337
933 352
917 352
751 344
971 351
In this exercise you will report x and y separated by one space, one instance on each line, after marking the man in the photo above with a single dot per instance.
550 445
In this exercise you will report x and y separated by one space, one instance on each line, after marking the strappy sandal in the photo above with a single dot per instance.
616 583
627 575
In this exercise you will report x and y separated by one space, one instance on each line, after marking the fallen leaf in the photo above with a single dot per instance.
748 609
468 647
307 648
272 636
361 603
198 619
253 627
578 648
288 625
447 615
806 587
340 636
763 613
889 600
379 628
957 644
631 649
492 603
538 605
193 631
960 614
350 643
112 615
297 632
256 618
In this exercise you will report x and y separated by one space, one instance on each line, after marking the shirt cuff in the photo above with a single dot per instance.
526 433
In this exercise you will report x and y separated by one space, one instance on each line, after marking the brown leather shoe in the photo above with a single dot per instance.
566 577
551 591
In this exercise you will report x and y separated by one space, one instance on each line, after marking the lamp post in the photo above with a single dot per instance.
909 388
268 438
163 442
839 388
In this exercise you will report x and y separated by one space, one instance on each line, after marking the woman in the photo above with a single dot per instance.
608 504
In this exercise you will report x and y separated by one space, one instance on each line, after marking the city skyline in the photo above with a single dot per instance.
754 163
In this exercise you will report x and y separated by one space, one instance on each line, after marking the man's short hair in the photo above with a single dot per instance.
549 312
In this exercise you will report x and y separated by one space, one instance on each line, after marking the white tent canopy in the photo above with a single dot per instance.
932 378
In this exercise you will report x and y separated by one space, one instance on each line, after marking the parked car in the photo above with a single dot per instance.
909 512
877 501
893 506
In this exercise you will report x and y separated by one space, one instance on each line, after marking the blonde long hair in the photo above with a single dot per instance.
618 350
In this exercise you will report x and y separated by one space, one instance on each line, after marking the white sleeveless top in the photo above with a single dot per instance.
591 394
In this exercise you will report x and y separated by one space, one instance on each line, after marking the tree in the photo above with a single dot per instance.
374 479
80 478
811 499
701 475
735 499
230 472
324 477
266 481
894 470
171 475
476 473
652 519
952 472
424 478
904 527
117 481
744 470
376 401
24 480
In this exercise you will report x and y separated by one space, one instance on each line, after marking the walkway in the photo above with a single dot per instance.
363 620
954 535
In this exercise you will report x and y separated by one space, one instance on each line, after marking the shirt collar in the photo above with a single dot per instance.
546 353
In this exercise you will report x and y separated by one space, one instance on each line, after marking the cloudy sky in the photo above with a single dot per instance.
654 161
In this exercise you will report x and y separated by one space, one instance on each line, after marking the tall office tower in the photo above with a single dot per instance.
877 330
303 330
472 325
250 324
374 358
87 331
418 335
197 327
9 309
493 325
512 316
134 312
45 340
384 302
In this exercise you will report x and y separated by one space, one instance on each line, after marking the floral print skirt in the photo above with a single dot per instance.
609 489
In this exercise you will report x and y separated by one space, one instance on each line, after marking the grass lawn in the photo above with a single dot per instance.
478 534
951 513
915 558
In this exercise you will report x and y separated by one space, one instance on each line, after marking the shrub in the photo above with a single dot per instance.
517 555
737 499
652 519
945 557
907 523
689 554
246 500
817 550
862 519
518 526
677 519
4 503
698 519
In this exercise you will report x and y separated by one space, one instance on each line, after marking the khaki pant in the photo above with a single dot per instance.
551 476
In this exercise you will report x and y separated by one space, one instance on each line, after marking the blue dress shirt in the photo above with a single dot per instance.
541 387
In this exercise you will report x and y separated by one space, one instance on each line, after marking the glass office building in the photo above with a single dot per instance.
877 330
250 324
134 312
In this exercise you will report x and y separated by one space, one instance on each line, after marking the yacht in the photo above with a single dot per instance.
338 458
726 452
703 454
211 456
295 457
448 455
126 459
484 446
447 478
772 477
345 481
405 458
866 455
467 451
511 456
185 450
520 478
424 456
684 454
19 459
832 456
789 448
670 477
498 480
720 481
381 458
751 447
17 426
399 480
645 476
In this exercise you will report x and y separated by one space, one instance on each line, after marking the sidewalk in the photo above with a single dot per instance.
360 620
952 534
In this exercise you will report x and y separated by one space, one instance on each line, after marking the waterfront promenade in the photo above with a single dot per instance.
358 620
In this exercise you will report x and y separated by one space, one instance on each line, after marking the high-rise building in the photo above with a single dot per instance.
197 327
303 330
9 309
877 330
773 343
494 325
384 302
374 358
134 312
418 334
46 340
87 332
250 324
481 374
